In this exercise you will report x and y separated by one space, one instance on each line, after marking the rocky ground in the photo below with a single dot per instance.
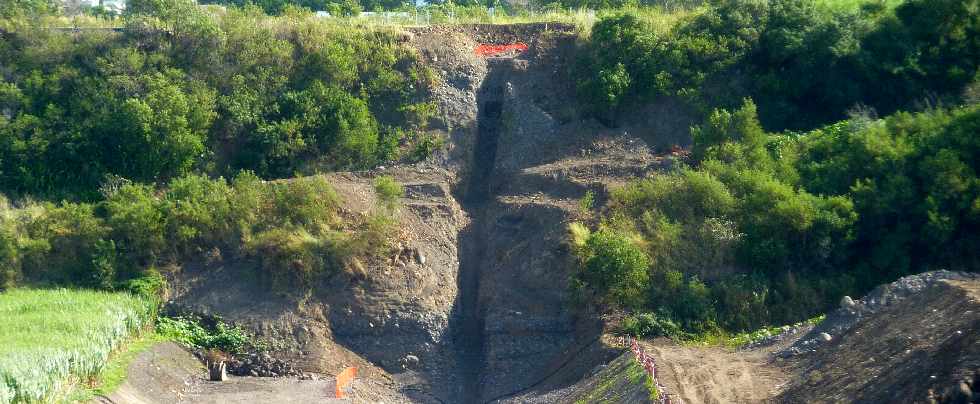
914 340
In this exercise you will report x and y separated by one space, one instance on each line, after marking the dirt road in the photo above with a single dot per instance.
168 374
716 375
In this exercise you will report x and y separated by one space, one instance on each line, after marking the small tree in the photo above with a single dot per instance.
616 269
388 191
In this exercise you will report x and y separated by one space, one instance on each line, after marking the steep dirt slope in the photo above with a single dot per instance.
918 346
391 316
472 303
528 172
619 381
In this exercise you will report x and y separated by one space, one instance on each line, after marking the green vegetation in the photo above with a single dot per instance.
205 335
772 228
587 203
743 339
805 63
114 373
290 228
615 382
49 336
764 227
388 191
221 92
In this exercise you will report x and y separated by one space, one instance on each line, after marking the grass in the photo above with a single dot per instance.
114 373
620 373
638 375
659 18
741 339
48 337
855 4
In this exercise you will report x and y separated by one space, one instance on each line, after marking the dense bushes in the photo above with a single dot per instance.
803 62
290 229
773 228
770 228
182 91
913 182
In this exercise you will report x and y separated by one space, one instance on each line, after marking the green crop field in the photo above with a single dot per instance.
48 337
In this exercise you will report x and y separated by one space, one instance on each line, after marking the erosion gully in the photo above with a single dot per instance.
477 196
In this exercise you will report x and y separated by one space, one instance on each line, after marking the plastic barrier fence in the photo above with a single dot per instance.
494 50
344 380
650 366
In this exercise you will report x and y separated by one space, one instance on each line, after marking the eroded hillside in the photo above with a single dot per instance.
472 302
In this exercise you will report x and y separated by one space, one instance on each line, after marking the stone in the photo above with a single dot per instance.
217 371
964 392
846 302
825 337
411 361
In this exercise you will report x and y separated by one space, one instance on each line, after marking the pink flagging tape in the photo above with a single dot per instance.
649 365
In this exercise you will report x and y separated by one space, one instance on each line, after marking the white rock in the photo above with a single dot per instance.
825 337
846 302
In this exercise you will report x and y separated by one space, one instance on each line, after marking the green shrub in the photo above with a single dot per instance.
426 144
289 258
150 286
743 302
886 58
650 325
615 269
309 202
71 234
137 218
221 93
196 333
372 237
587 203
10 269
388 191
199 213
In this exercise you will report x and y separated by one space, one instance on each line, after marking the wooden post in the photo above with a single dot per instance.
217 371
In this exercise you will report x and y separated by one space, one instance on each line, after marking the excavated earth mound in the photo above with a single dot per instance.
914 340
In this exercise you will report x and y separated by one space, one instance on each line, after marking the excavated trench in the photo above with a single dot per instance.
469 321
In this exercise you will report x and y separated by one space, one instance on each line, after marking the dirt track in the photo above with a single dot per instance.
715 375
168 374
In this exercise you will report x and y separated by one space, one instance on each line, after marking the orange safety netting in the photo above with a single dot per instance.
492 50
344 380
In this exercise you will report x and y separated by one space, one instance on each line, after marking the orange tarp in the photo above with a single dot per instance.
344 379
491 50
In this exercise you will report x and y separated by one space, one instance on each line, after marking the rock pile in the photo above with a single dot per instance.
853 311
261 365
